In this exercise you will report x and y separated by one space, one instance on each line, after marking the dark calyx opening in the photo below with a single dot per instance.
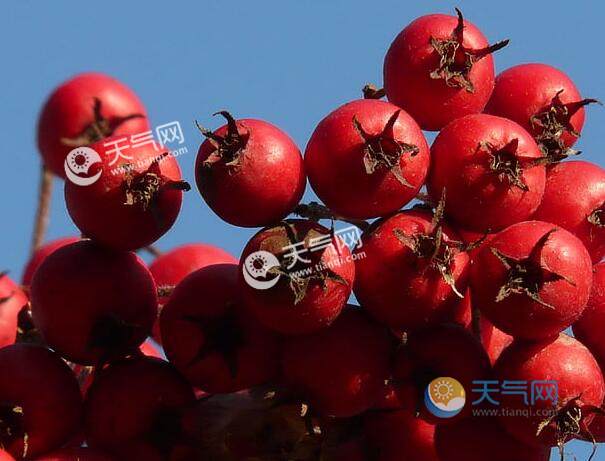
99 128
508 163
12 426
142 189
229 147
527 276
114 336
382 150
432 247
456 61
553 122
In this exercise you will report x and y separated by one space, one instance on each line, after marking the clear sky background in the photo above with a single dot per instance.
289 62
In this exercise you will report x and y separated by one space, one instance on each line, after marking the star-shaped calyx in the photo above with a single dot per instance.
383 151
569 421
227 148
12 426
555 120
435 249
527 275
300 260
99 128
456 60
508 163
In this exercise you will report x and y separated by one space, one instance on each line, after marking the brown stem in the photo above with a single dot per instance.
42 212
153 250
371 91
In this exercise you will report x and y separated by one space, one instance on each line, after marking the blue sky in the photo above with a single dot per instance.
289 62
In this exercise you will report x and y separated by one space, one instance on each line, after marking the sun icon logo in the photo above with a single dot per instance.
445 397
256 268
443 391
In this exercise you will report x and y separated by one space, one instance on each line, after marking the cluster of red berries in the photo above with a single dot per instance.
266 360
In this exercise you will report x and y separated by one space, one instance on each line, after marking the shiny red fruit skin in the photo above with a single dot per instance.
69 109
264 187
82 286
574 190
276 308
563 359
75 454
12 300
481 439
589 328
210 295
525 90
334 160
517 314
408 293
40 255
130 406
100 210
4 456
410 61
445 350
400 436
38 381
174 265
476 198
340 369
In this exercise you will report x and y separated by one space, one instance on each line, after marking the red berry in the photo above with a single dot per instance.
532 280
440 68
341 369
400 436
481 439
211 339
134 407
574 198
75 454
545 102
40 403
366 159
499 175
12 300
446 350
589 328
172 266
91 304
83 110
4 456
250 172
309 294
422 267
40 255
135 200
579 383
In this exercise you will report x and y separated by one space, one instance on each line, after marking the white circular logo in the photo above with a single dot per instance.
257 266
78 162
